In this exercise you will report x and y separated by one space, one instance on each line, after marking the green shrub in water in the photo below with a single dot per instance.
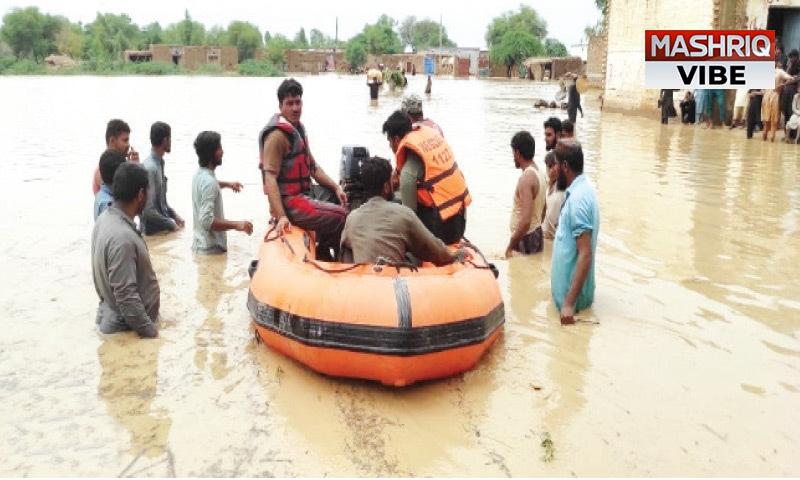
25 67
6 61
254 68
151 68
208 69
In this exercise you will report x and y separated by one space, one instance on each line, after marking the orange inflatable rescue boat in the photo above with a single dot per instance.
393 324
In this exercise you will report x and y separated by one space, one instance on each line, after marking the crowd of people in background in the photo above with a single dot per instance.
764 110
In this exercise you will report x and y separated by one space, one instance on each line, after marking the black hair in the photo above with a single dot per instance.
794 53
115 128
568 127
129 179
290 86
397 125
206 145
554 123
110 160
158 132
375 172
523 142
569 151
550 159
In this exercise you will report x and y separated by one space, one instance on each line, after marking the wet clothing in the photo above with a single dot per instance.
102 200
688 111
157 216
430 123
532 242
373 90
380 228
667 105
555 198
573 102
579 213
206 206
754 112
794 120
770 105
700 99
123 276
714 95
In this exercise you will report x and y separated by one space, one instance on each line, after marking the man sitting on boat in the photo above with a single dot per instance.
431 184
288 166
383 229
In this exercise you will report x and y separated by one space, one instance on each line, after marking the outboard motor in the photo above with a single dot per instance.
350 174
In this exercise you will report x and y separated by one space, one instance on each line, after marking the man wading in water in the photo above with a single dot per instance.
529 198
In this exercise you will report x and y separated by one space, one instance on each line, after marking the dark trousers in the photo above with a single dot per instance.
753 114
450 231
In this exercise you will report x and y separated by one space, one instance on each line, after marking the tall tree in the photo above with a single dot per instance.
381 37
109 35
424 34
276 48
186 32
300 39
407 30
151 34
514 47
246 37
554 48
216 36
526 19
355 52
31 34
70 40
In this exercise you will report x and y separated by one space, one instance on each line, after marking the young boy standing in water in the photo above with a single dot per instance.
118 135
209 218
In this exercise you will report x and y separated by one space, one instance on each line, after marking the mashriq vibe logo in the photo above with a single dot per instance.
698 59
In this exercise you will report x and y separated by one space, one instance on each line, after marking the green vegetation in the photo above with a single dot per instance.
514 47
355 52
515 36
423 34
554 48
255 68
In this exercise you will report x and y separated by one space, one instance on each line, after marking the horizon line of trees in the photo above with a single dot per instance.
27 33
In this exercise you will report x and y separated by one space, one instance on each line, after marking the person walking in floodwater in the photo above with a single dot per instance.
529 198
158 216
110 160
770 104
287 167
123 275
554 198
429 85
118 135
572 271
209 217
573 100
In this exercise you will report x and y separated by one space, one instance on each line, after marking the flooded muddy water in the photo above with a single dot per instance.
688 363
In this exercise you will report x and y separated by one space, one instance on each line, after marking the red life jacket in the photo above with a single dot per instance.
294 177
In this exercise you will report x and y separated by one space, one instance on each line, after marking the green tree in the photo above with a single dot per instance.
317 39
423 34
276 47
70 40
267 37
185 32
246 37
526 19
29 33
380 37
109 35
300 40
514 47
151 34
216 36
554 48
355 52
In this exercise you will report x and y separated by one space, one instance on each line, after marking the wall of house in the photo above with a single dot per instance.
596 60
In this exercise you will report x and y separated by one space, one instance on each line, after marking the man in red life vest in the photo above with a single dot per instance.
288 166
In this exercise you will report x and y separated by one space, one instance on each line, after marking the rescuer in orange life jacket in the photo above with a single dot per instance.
431 183
287 167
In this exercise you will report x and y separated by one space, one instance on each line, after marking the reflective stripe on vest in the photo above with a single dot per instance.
294 177
443 185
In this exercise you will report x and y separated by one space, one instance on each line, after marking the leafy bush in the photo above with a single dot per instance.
209 69
150 68
25 67
254 68
6 61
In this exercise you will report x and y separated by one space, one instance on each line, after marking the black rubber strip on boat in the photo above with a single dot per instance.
374 339
403 299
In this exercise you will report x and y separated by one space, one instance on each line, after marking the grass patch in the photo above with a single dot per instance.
254 68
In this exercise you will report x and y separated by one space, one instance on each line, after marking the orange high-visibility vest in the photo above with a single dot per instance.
443 186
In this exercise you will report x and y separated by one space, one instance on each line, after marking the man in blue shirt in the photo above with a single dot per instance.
572 272
110 160
158 216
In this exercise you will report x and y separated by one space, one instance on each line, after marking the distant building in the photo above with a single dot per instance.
552 68
627 21
315 61
190 57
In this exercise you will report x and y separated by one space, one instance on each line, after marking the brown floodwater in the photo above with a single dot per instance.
688 363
